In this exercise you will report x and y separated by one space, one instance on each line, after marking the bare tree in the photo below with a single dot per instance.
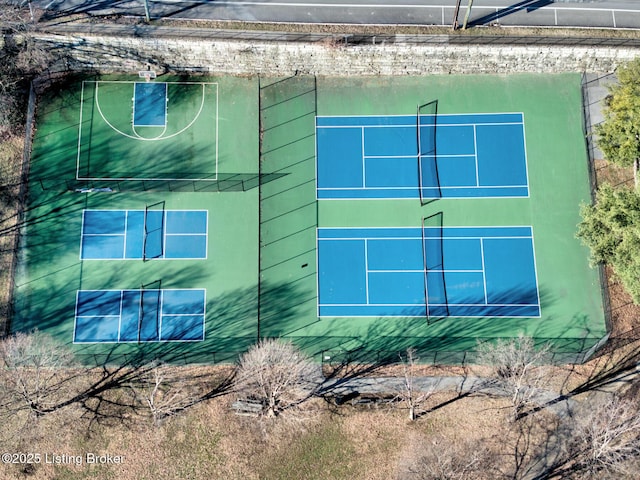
22 57
518 368
605 439
412 396
443 458
277 376
162 390
34 372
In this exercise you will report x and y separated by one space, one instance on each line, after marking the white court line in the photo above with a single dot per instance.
160 314
422 115
217 128
404 227
503 237
126 225
471 187
420 270
137 137
526 159
413 199
120 315
449 125
75 316
164 234
80 131
413 157
364 168
475 154
122 291
420 238
366 268
81 237
535 269
479 305
484 272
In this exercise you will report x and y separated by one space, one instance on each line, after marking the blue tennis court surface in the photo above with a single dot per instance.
461 156
435 272
143 234
139 315
150 104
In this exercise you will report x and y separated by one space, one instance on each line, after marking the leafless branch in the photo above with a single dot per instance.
277 376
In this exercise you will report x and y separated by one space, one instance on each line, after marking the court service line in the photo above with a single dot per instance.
126 229
120 315
479 305
422 115
427 238
414 270
475 154
160 314
484 271
535 268
526 159
364 168
490 124
413 157
415 187
366 269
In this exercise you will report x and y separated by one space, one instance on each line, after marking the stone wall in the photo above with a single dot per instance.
130 54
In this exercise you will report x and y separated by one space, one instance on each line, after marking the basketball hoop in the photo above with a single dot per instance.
148 75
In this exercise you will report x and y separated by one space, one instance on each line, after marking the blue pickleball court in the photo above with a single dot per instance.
150 104
143 234
430 271
154 315
426 156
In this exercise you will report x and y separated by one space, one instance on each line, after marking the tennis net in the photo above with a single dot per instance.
149 313
426 127
435 288
153 243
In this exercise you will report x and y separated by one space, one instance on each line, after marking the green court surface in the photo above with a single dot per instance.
244 149
183 146
51 272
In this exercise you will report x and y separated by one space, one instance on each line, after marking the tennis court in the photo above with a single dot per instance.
428 271
139 315
422 156
368 225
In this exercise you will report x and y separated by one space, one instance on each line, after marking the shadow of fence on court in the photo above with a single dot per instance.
227 182
288 210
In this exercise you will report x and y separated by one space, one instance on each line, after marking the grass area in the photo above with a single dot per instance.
208 441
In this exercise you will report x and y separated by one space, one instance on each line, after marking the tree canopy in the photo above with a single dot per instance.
611 229
618 136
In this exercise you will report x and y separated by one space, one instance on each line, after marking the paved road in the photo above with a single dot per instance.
566 13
